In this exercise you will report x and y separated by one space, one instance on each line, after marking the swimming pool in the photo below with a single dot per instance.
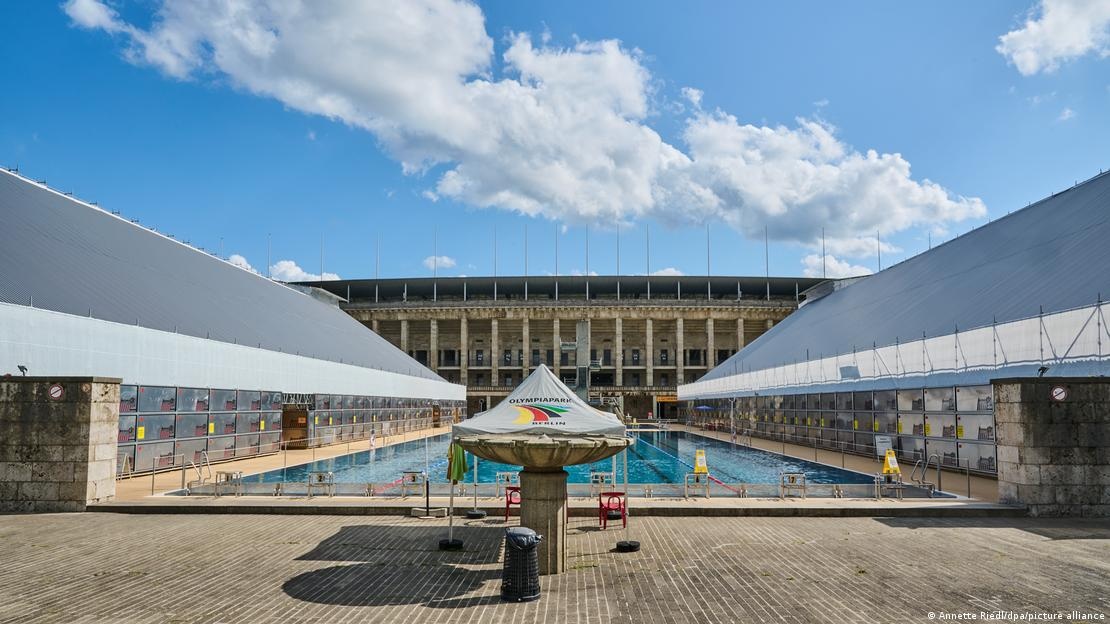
657 457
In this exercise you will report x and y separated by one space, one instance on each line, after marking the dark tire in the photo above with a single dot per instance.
627 546
475 514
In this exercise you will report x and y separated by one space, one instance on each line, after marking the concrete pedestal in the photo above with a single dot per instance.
57 442
543 508
1054 444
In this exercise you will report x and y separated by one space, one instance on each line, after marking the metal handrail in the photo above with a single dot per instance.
126 472
925 470
208 464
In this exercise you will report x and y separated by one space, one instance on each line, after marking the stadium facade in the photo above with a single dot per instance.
640 336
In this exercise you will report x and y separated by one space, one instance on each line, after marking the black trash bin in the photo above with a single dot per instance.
520 580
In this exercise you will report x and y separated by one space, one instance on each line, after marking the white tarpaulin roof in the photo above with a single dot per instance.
542 404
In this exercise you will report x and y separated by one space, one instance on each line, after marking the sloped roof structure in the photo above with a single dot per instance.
63 255
542 404
1048 257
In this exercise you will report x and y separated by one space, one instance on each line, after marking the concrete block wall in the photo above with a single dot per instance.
57 453
1054 455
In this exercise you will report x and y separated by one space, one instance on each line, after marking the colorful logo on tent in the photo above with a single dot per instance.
538 413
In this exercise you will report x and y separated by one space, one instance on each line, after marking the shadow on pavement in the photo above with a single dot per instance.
402 564
1051 528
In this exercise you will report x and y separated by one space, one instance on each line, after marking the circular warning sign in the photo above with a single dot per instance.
1059 393
56 391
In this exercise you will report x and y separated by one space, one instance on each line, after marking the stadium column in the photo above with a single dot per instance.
405 335
495 353
433 344
680 351
557 346
374 326
618 343
526 341
649 346
739 333
464 352
710 344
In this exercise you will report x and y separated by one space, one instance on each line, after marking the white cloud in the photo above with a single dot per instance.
430 196
241 262
559 132
93 14
288 271
1039 98
822 103
1065 114
833 267
443 262
858 247
581 273
693 95
1057 31
311 136
669 271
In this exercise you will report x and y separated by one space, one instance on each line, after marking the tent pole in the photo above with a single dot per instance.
451 513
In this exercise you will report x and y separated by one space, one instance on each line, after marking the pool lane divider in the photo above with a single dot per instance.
679 460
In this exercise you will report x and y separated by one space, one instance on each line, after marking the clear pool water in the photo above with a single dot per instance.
657 457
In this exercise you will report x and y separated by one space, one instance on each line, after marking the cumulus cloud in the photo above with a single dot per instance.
669 271
1057 31
288 271
1065 114
833 267
443 262
693 95
558 132
241 262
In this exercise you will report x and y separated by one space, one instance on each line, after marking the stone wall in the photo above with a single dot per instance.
57 442
1054 453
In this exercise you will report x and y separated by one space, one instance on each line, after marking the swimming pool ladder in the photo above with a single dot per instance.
920 480
125 470
201 477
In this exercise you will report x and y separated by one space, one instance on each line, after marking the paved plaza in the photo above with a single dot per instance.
102 567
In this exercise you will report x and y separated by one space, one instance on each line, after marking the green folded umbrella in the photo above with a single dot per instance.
456 471
456 463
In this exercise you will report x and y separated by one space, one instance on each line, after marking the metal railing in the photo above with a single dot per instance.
843 449
177 461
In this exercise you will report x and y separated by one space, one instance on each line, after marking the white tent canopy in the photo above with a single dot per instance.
542 404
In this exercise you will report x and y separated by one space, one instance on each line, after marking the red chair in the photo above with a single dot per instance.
612 501
512 497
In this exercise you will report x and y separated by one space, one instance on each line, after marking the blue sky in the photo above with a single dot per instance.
350 123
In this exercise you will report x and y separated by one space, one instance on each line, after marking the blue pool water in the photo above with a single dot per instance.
657 457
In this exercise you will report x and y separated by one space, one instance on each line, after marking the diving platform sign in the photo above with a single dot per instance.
891 477
890 464
700 466
699 478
